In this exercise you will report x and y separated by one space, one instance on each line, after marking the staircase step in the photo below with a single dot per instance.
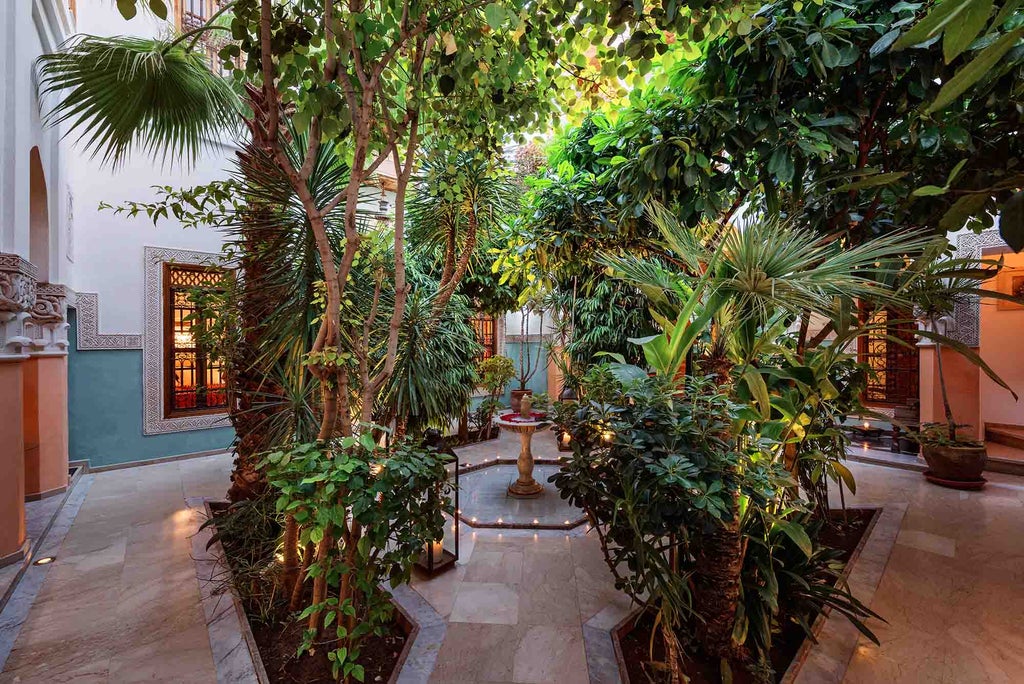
1009 435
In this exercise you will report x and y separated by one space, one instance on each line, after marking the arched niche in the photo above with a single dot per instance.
39 217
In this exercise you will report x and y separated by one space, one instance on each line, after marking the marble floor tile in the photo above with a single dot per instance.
926 541
548 653
486 602
121 604
476 653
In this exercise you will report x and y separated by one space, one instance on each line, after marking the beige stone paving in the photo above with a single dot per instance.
953 590
121 604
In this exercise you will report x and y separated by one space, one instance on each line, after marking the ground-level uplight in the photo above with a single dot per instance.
45 560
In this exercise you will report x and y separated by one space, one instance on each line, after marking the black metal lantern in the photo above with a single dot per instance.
435 558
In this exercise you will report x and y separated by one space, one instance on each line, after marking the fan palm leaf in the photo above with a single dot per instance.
121 95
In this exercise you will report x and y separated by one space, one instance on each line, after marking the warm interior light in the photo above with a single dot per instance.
866 425
45 560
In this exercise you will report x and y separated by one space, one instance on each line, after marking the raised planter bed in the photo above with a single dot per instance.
879 531
453 441
235 649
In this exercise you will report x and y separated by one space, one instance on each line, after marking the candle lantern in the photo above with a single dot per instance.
435 558
564 441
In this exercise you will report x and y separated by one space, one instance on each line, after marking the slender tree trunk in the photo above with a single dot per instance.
300 581
320 582
942 385
718 579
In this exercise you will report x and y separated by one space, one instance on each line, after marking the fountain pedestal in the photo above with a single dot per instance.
525 486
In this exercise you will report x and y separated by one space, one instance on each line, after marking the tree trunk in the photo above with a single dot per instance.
717 593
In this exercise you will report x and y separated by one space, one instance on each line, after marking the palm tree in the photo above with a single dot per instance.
744 291
124 95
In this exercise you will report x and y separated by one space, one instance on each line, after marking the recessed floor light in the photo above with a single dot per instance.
45 560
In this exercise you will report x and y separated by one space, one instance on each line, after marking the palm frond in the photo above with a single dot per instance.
121 95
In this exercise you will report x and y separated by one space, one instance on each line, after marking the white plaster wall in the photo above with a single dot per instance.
29 28
108 247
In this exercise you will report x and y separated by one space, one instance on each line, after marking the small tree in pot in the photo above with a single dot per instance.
529 363
495 374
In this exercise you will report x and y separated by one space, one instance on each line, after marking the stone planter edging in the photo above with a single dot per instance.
235 654
824 662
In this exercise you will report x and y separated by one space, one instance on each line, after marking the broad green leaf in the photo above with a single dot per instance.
759 390
495 15
962 32
872 181
975 70
798 534
847 477
158 8
928 191
957 216
883 43
127 8
1011 222
936 20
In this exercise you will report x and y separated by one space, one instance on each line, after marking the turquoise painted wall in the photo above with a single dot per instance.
105 411
538 383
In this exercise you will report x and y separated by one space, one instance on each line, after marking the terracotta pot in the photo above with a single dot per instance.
517 398
955 462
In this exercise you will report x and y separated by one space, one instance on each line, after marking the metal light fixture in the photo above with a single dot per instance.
435 558
45 560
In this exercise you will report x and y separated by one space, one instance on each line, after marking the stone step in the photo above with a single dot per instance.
1009 435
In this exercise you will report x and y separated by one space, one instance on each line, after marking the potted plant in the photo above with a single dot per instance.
934 289
528 363
495 373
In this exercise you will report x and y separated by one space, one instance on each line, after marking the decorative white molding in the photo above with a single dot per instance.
965 326
89 337
47 323
153 420
17 297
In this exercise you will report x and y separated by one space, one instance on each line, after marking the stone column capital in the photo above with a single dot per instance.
17 297
47 324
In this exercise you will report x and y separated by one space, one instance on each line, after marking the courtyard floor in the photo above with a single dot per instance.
121 603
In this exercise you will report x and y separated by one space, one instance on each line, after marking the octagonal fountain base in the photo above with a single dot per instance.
485 499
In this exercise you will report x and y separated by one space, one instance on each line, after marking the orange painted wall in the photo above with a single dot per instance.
1001 336
46 424
12 471
961 386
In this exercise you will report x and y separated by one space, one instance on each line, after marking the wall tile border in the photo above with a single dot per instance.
153 422
88 336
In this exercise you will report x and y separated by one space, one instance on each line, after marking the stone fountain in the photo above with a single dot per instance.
525 422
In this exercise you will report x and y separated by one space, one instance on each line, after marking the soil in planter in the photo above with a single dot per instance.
636 644
278 636
279 642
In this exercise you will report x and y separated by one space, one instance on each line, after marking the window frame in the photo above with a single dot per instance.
167 318
483 317
901 384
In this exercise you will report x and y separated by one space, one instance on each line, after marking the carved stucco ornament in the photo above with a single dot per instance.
17 297
47 324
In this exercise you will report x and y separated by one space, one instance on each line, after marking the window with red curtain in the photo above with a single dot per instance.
194 383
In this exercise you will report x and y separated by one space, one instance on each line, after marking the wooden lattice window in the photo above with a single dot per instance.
895 367
194 383
486 330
